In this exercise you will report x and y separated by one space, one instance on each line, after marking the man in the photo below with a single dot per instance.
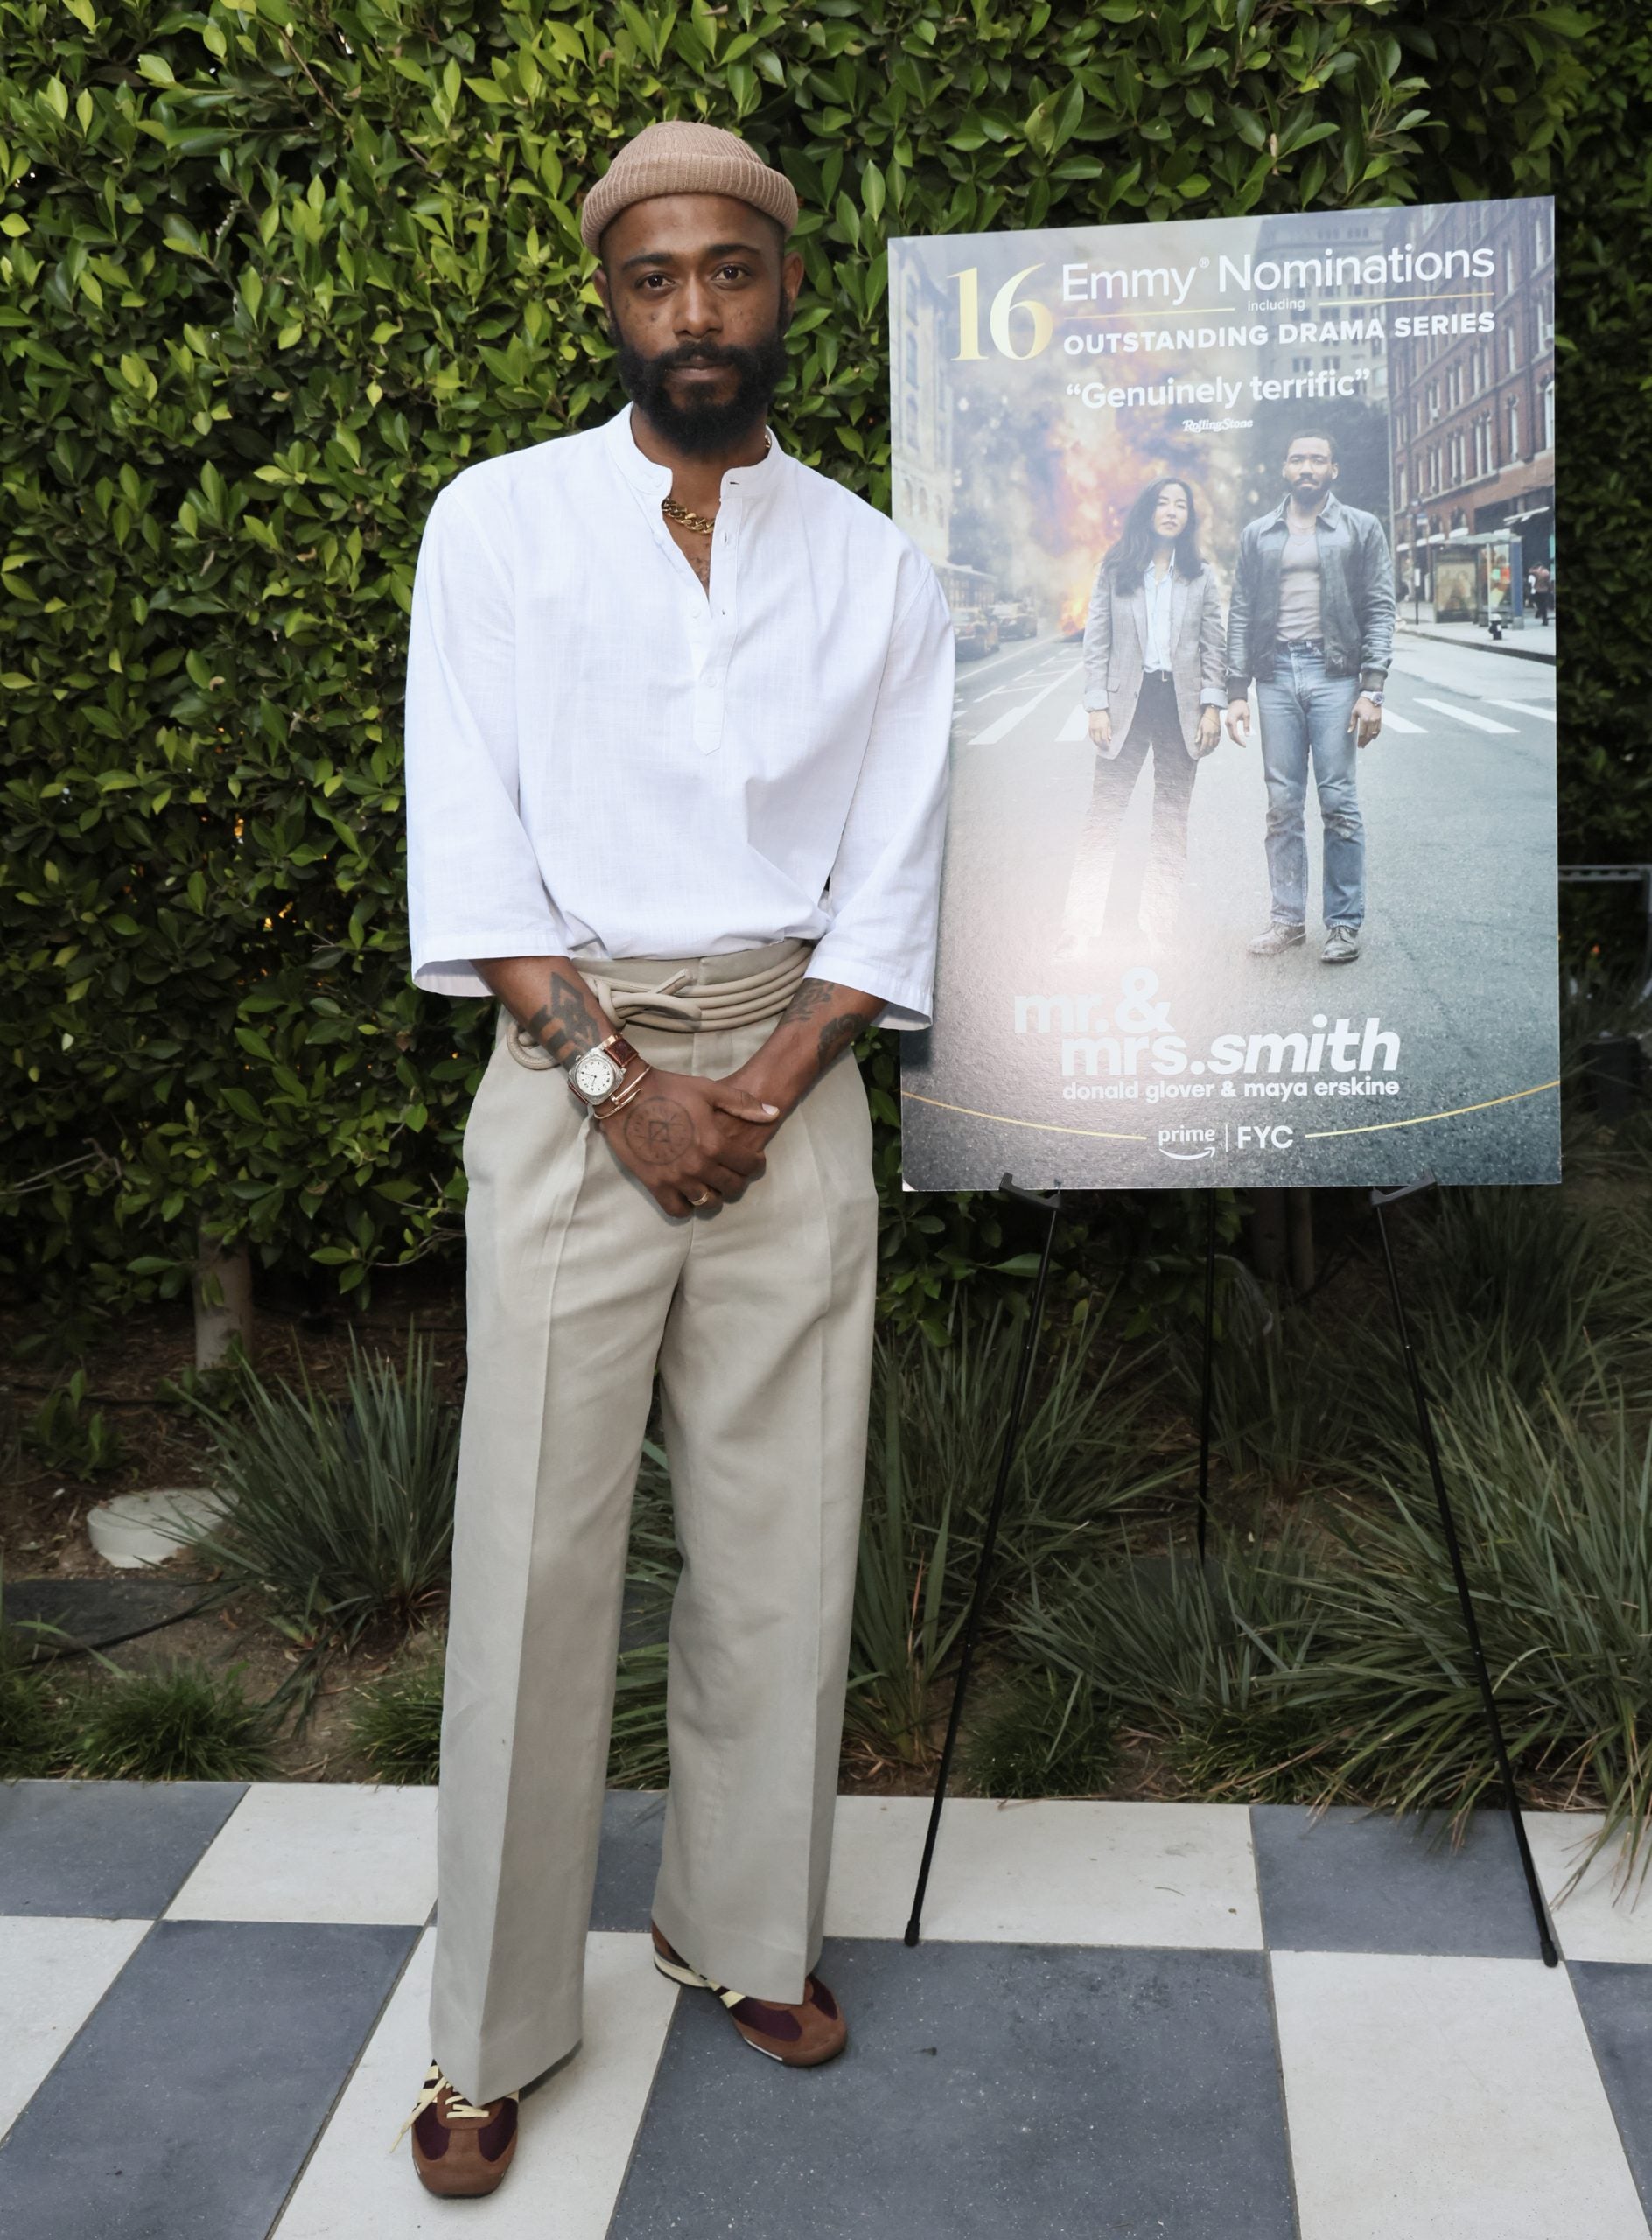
1543 591
1312 620
678 720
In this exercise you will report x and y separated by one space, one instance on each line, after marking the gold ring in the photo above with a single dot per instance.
704 1199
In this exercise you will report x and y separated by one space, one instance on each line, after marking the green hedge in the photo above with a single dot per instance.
271 273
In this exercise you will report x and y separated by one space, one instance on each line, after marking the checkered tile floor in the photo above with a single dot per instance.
1124 2021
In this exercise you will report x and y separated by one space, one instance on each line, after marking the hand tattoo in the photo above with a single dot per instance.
658 1131
568 1023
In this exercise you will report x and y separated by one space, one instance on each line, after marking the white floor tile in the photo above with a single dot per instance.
577 2129
1055 1870
1446 2097
306 1851
53 1973
1604 1917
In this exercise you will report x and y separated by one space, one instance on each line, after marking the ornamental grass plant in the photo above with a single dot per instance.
1553 1500
341 1510
1212 1664
181 1723
938 1414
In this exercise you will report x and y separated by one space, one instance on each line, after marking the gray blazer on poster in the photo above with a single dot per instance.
1116 635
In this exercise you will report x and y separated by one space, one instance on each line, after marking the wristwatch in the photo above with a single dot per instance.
595 1074
1377 696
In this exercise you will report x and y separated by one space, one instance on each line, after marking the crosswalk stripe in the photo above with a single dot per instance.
1393 721
1468 715
1006 723
1077 726
1538 708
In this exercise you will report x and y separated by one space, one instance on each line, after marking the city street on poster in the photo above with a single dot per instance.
1315 452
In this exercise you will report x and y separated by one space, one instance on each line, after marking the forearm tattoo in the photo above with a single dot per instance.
567 1023
837 1034
809 1007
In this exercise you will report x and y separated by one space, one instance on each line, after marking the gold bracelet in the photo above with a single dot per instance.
621 1096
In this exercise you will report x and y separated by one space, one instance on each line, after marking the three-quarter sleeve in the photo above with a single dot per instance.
884 891
474 887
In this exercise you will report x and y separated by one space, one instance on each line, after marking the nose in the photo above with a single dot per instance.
698 311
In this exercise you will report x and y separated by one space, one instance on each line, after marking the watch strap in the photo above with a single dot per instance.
613 1045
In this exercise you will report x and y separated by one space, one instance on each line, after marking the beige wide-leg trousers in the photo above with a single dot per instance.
758 1316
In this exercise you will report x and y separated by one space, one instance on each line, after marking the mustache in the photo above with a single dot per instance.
699 354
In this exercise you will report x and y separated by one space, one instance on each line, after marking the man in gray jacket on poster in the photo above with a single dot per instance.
1312 621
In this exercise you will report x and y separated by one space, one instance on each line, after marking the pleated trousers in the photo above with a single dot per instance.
758 1317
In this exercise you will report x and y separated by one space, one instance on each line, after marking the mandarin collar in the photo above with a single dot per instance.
652 481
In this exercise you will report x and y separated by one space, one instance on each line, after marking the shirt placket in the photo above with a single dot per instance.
710 684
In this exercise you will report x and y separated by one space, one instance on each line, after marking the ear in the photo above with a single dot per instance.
599 281
791 277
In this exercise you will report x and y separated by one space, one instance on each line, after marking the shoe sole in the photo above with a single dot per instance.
1352 957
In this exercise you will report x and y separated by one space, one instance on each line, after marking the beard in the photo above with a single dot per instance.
701 430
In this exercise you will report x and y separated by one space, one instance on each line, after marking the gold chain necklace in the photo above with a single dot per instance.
701 524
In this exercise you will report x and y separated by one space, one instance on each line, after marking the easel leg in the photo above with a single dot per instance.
1205 1373
1052 1206
1471 1624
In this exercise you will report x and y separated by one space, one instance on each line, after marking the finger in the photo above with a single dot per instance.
713 1174
745 1106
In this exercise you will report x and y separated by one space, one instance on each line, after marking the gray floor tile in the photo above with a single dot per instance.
183 2109
1358 1881
1616 2000
628 1860
119 1850
987 2089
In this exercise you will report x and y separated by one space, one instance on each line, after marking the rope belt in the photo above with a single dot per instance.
682 995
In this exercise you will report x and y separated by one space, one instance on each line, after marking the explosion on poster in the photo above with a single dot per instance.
1247 881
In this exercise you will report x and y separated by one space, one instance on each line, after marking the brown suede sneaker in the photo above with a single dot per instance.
459 2146
801 2036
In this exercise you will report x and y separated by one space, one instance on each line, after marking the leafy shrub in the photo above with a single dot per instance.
269 276
183 1724
342 1512
64 1434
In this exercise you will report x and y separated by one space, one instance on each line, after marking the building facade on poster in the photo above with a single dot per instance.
1474 415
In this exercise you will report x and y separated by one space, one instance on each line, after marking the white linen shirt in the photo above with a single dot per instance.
602 762
1160 590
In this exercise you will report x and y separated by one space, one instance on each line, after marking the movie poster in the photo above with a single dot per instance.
1243 524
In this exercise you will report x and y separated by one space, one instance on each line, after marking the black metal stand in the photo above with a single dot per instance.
1051 1206
1380 1199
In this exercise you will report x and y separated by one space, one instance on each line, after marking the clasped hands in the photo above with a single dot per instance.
692 1141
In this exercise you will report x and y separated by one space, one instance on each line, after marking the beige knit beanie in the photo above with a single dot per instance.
685 159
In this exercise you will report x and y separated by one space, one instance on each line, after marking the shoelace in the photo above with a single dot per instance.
435 2084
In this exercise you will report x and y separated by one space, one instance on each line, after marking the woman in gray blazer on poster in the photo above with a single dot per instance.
1153 682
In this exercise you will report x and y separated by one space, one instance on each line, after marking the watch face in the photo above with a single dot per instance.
596 1076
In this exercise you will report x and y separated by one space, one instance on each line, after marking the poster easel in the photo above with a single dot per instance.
1380 1200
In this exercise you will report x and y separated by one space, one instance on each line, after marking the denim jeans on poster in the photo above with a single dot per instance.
1304 716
